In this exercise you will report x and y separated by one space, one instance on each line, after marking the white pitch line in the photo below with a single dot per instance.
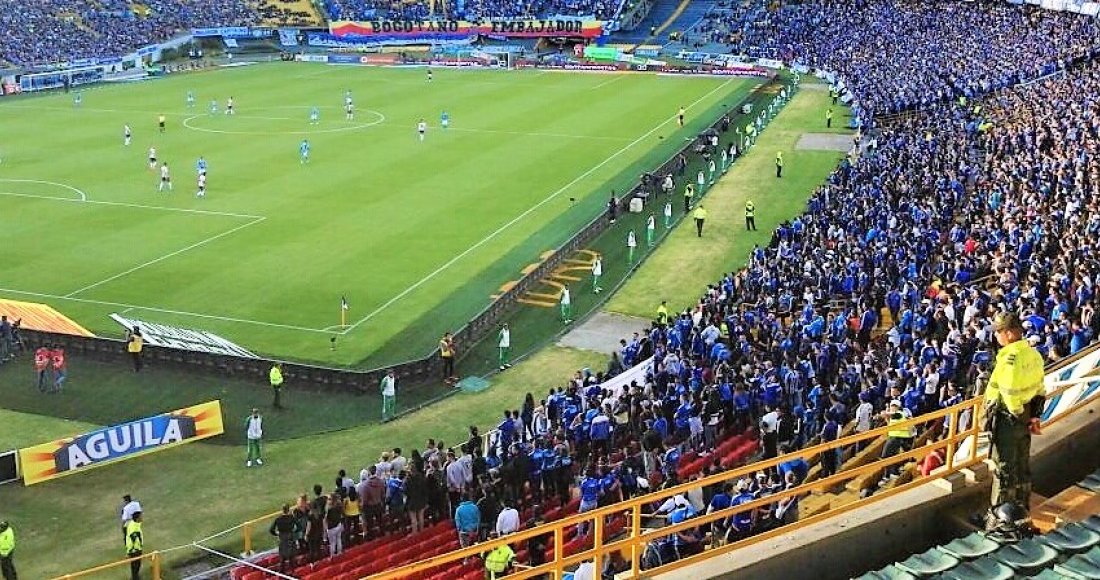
133 205
161 310
165 257
617 77
526 213
83 196
524 134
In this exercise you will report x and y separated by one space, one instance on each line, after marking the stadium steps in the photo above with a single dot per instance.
1074 503
689 13
658 15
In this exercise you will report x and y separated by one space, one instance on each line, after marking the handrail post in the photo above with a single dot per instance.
247 530
597 542
156 565
559 538
635 548
952 433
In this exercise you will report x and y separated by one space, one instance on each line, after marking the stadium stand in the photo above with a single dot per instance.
455 9
62 30
897 55
289 13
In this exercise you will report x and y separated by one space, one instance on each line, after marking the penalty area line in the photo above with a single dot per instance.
526 213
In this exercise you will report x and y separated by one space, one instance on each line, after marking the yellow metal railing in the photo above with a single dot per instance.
633 545
637 537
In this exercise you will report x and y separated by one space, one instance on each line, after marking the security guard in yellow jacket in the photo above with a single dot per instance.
135 545
499 560
7 551
275 377
1013 403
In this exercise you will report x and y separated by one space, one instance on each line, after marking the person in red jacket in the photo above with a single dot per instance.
57 361
42 366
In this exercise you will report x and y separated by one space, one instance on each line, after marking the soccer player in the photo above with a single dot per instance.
213 106
303 151
350 111
680 116
152 158
444 120
202 185
78 98
165 177
314 116
229 106
126 135
668 214
429 75
200 166
160 122
347 97
597 271
566 303
631 243
421 128
650 229
190 99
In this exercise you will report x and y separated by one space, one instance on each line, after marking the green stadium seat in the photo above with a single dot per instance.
1091 482
890 572
1071 539
1026 556
970 547
987 568
1046 574
1082 566
1092 523
928 563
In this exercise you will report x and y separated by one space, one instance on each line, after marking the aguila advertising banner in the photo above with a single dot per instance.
429 30
83 452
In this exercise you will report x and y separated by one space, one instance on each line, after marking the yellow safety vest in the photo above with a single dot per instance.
899 433
134 538
700 213
779 160
135 343
497 561
1017 377
750 210
7 542
276 377
662 313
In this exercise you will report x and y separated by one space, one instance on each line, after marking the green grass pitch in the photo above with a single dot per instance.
417 235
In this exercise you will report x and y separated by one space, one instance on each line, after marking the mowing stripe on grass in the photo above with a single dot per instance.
526 213
165 257
132 205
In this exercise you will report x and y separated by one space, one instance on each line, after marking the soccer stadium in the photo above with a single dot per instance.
562 289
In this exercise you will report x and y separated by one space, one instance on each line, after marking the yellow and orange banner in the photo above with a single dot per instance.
41 317
98 448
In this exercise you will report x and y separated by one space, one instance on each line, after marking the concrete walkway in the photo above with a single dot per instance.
824 142
603 331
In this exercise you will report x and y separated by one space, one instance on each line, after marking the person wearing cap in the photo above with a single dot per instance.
7 550
1013 403
897 438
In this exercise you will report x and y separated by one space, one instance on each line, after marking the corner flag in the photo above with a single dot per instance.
344 310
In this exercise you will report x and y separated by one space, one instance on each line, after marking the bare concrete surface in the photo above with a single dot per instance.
824 142
603 331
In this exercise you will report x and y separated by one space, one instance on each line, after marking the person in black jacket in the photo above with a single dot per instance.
285 527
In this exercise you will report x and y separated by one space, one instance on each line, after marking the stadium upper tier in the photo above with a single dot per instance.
458 9
50 31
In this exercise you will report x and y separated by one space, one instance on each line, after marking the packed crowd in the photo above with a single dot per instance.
897 55
471 11
55 31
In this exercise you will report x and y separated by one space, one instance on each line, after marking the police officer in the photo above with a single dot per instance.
1013 403
7 549
779 164
750 216
829 119
134 545
276 379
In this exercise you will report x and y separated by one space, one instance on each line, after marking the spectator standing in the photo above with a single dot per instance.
254 432
334 524
416 498
7 551
130 507
779 164
508 519
134 344
597 272
57 361
372 491
467 522
6 342
388 386
447 355
504 344
42 367
275 377
285 528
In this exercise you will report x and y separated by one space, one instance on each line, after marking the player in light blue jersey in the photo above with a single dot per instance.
213 106
445 120
201 165
303 151
78 98
314 116
190 99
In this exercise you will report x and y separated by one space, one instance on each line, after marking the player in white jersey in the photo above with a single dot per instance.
350 111
421 128
429 75
126 135
165 178
152 158
229 106
202 186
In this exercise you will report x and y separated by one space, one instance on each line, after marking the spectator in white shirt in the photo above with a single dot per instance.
129 508
398 463
508 519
